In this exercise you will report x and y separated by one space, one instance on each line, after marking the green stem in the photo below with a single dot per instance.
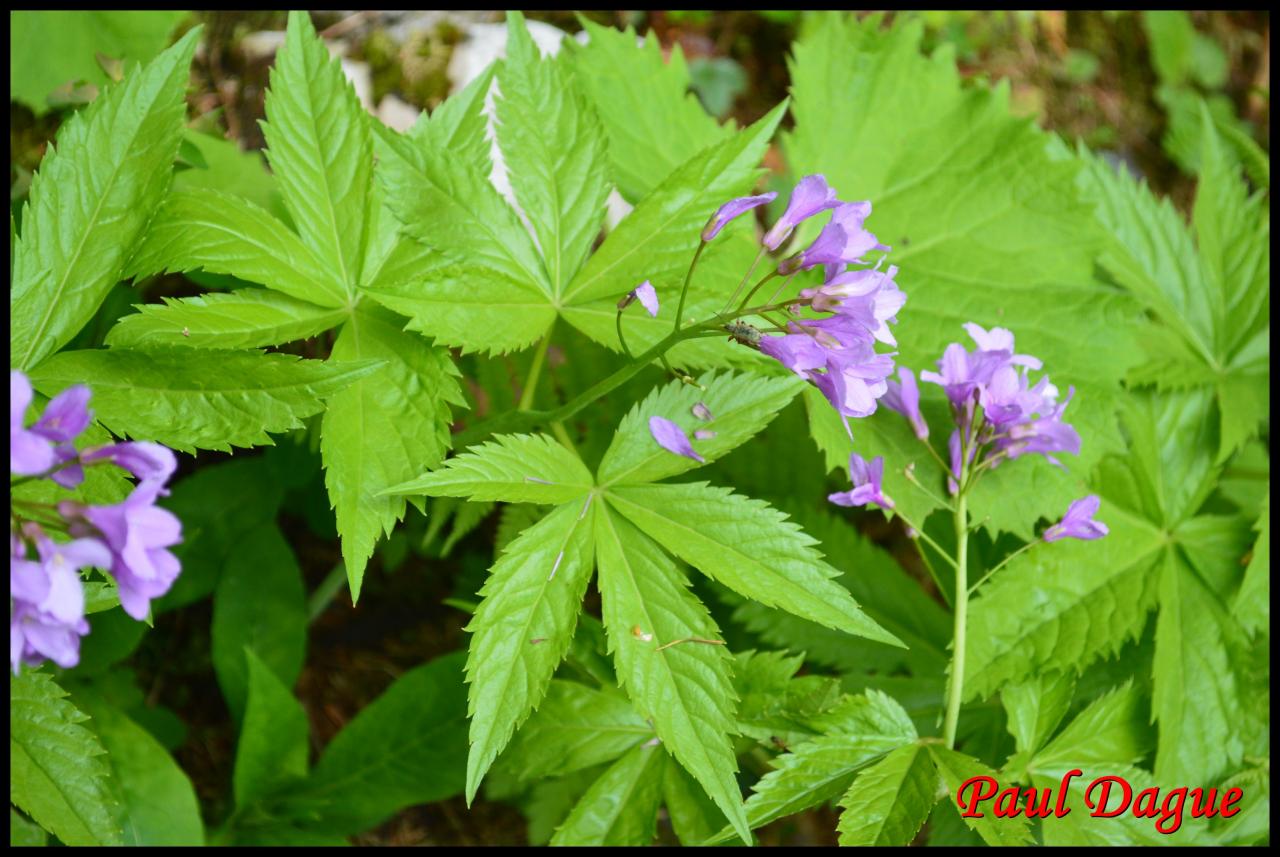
744 279
684 290
922 534
1002 564
955 688
766 278
622 340
937 581
326 592
531 381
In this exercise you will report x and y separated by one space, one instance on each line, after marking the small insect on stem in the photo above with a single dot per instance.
536 640
743 333
689 640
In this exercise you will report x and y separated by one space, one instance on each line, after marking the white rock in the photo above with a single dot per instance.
396 113
361 77
262 45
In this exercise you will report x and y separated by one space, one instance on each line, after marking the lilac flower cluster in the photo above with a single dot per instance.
129 539
836 353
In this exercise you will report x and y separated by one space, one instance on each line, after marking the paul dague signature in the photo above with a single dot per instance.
1106 797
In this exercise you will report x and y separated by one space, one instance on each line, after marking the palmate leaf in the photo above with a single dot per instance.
981 211
1113 729
653 121
56 773
684 688
383 429
749 547
1036 706
822 769
555 152
575 727
90 201
222 399
889 801
157 803
460 125
955 768
245 318
319 148
741 405
656 241
523 627
225 234
1062 606
621 807
694 817
474 309
526 468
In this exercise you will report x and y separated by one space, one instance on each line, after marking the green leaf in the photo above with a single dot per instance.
555 154
955 768
1198 699
91 200
450 206
1252 607
272 751
880 586
405 748
1171 37
229 169
1036 706
383 429
260 604
245 318
683 687
523 628
621 807
821 770
741 405
511 468
225 399
694 817
24 832
653 122
748 546
1113 729
657 240
471 308
1062 605
218 505
157 801
50 48
320 151
575 727
225 234
460 125
889 801
56 775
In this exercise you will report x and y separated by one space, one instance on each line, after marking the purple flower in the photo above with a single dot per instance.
841 242
646 294
138 533
672 438
811 195
732 209
999 339
46 619
151 463
903 396
1078 523
866 478
62 421
29 452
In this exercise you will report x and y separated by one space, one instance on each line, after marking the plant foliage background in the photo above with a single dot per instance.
320 311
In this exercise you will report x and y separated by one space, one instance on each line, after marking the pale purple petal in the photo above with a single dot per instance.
732 209
66 415
1078 523
701 411
672 438
648 297
811 195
